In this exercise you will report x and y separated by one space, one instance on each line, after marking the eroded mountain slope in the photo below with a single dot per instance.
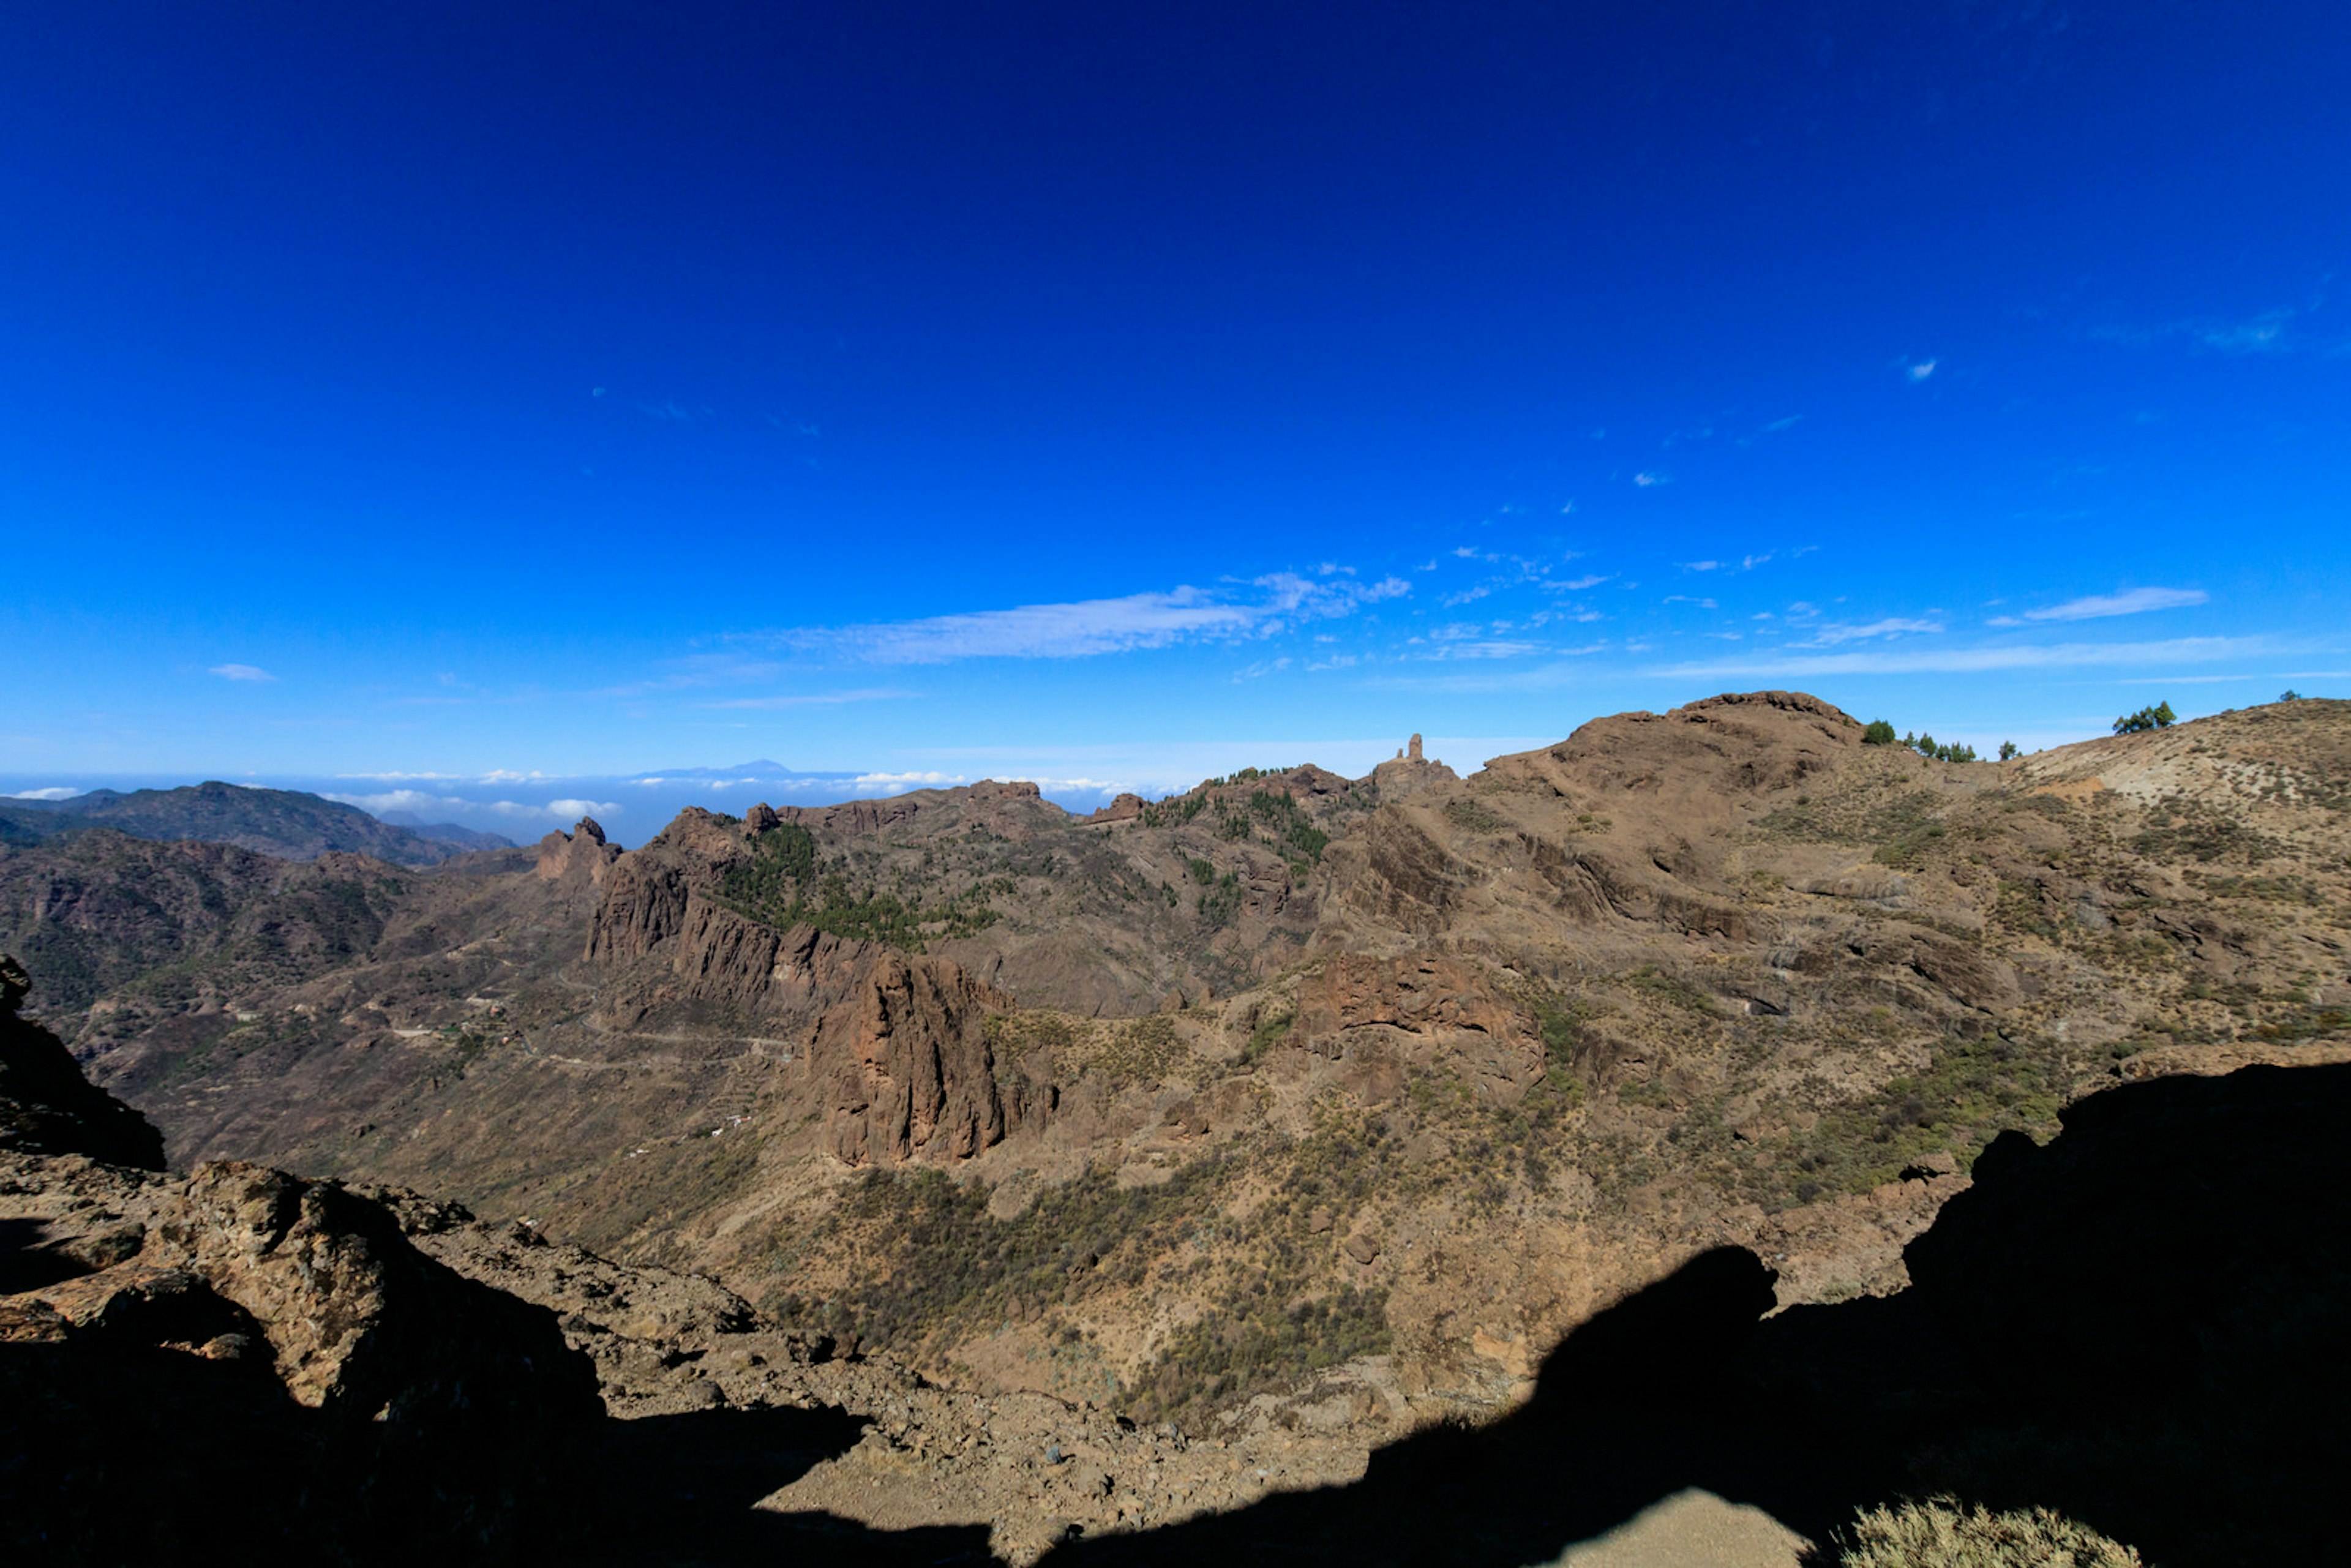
1347 1099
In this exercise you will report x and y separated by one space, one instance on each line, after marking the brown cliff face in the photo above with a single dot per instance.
912 1071
646 891
897 1037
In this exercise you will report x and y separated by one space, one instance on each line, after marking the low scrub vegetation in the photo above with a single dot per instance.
783 886
1946 1534
941 1267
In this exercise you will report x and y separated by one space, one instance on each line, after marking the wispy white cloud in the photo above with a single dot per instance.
1650 476
1086 628
813 699
1487 647
2097 606
56 792
2265 332
1577 585
1970 661
1891 627
240 672
1919 370
1701 566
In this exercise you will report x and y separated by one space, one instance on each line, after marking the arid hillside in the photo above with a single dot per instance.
1292 1102
374 1374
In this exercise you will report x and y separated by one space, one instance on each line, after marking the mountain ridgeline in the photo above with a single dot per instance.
1295 1109
288 824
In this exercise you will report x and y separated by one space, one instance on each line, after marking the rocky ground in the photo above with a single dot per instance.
2135 1323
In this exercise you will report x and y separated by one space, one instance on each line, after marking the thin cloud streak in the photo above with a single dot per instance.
1088 628
813 699
1970 660
2097 606
1891 627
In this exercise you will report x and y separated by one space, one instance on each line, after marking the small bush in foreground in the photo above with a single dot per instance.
1942 1534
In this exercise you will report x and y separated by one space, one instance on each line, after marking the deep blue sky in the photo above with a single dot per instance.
597 388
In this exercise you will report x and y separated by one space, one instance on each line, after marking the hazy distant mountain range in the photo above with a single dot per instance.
286 823
506 806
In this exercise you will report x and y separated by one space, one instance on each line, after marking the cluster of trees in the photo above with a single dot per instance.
2160 716
1880 733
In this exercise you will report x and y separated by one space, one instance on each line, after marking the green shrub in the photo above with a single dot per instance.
1266 1036
1879 733
1223 901
2160 716
2008 748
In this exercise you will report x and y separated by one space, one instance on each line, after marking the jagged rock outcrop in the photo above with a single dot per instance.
897 1037
47 1107
1409 772
909 1060
1126 808
576 858
646 892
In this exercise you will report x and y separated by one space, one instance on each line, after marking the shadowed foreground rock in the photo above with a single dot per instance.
46 1106
242 1358
241 1362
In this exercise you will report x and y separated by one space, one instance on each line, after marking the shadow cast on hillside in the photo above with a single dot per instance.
681 1489
2140 1325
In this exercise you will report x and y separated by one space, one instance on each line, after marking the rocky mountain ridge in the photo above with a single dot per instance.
1417 1094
